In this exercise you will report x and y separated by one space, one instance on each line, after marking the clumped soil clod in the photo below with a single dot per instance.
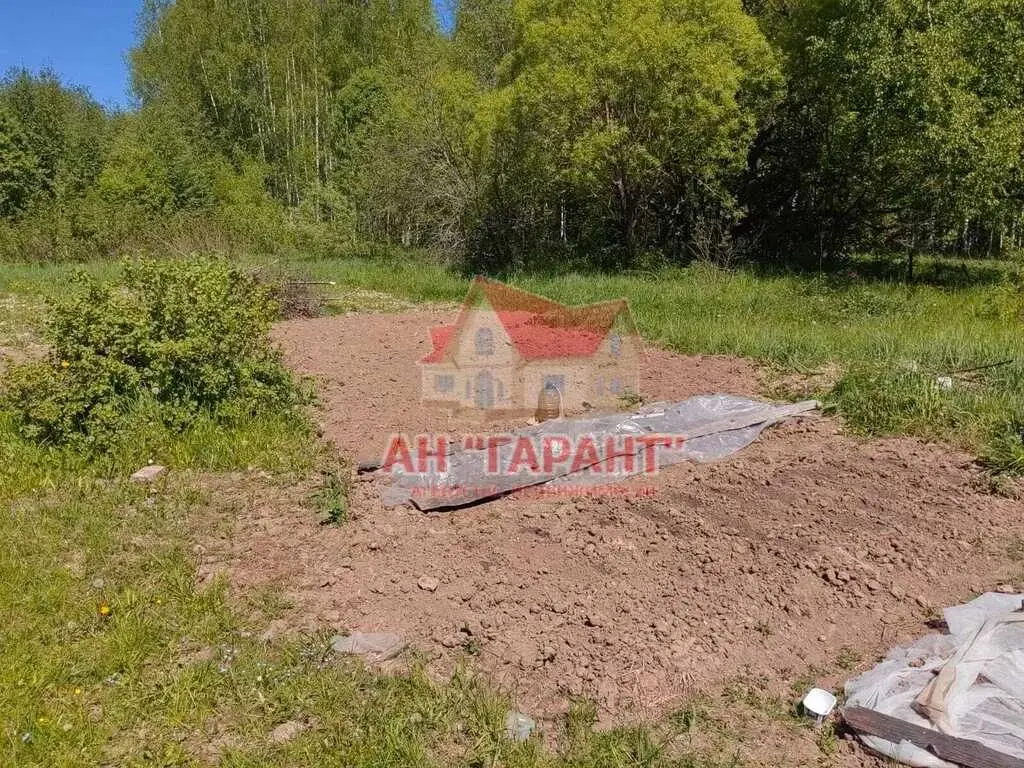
806 544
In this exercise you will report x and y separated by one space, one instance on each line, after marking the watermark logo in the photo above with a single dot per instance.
551 464
512 352
544 456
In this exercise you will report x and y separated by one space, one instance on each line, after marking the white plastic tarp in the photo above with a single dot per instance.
968 684
708 428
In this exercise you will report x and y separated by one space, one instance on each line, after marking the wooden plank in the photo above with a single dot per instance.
966 752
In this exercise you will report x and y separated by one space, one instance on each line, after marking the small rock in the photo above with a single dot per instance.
922 602
456 640
97 583
428 583
148 474
1006 589
285 732
595 620
376 646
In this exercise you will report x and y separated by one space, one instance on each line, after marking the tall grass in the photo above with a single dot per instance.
890 343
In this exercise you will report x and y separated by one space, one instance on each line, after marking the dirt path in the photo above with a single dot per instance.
808 546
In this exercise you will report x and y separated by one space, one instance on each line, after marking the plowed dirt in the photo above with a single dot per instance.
804 556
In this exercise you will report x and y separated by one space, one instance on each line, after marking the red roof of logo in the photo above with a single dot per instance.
538 328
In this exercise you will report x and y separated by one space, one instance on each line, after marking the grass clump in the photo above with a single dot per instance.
331 499
173 344
294 293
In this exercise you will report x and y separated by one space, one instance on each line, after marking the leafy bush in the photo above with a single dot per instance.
175 341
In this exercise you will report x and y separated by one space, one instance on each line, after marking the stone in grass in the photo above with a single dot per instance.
148 474
374 646
285 732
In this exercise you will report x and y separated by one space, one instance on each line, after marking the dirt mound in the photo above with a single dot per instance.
775 560
370 383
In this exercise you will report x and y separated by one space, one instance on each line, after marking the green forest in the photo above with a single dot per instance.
610 134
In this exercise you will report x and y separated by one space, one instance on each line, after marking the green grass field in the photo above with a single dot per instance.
876 350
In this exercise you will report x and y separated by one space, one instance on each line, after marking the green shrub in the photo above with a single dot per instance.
176 340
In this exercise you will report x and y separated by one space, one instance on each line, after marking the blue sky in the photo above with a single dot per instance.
85 41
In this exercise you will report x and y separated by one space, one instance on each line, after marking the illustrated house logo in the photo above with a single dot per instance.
508 346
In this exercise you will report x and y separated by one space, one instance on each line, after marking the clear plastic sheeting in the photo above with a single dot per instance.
599 450
968 684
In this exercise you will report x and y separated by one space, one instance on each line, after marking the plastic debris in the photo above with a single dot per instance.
968 684
518 726
819 703
703 429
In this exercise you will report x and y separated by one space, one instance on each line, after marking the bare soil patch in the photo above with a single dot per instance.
369 382
803 557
